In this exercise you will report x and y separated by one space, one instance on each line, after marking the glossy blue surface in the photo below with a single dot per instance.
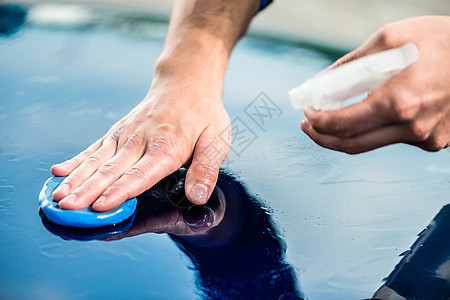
336 222
83 218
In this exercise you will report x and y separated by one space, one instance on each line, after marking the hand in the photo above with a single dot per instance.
176 124
413 107
180 123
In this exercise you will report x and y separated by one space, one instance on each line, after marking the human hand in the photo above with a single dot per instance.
176 125
179 123
413 107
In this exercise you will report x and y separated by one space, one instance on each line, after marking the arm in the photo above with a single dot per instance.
180 118
413 107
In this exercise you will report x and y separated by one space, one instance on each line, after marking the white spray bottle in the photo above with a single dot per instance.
362 75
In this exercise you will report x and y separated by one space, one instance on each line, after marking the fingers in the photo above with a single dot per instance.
65 168
355 54
389 115
376 43
389 104
373 112
376 138
202 175
409 108
350 145
359 52
159 161
106 174
85 170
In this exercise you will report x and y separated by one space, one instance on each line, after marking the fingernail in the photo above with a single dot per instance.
199 192
62 189
304 124
100 201
71 198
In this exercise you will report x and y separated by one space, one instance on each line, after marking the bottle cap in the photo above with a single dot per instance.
299 96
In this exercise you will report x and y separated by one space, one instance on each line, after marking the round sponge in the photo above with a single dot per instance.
84 218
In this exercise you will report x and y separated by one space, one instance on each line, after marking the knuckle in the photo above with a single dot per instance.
433 148
387 35
136 172
418 132
116 192
213 153
167 129
163 145
349 147
73 178
331 125
340 129
93 159
85 189
135 141
115 135
206 172
109 170
434 145
405 106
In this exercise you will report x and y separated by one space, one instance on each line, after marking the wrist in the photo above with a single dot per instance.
193 66
195 53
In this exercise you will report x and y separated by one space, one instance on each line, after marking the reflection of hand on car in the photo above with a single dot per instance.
159 210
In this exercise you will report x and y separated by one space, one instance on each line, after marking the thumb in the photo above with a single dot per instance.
201 178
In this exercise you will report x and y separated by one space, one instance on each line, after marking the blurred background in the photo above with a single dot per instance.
340 24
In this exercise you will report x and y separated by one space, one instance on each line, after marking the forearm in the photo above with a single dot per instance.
201 37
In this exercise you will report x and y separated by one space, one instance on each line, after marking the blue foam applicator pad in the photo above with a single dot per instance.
84 218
